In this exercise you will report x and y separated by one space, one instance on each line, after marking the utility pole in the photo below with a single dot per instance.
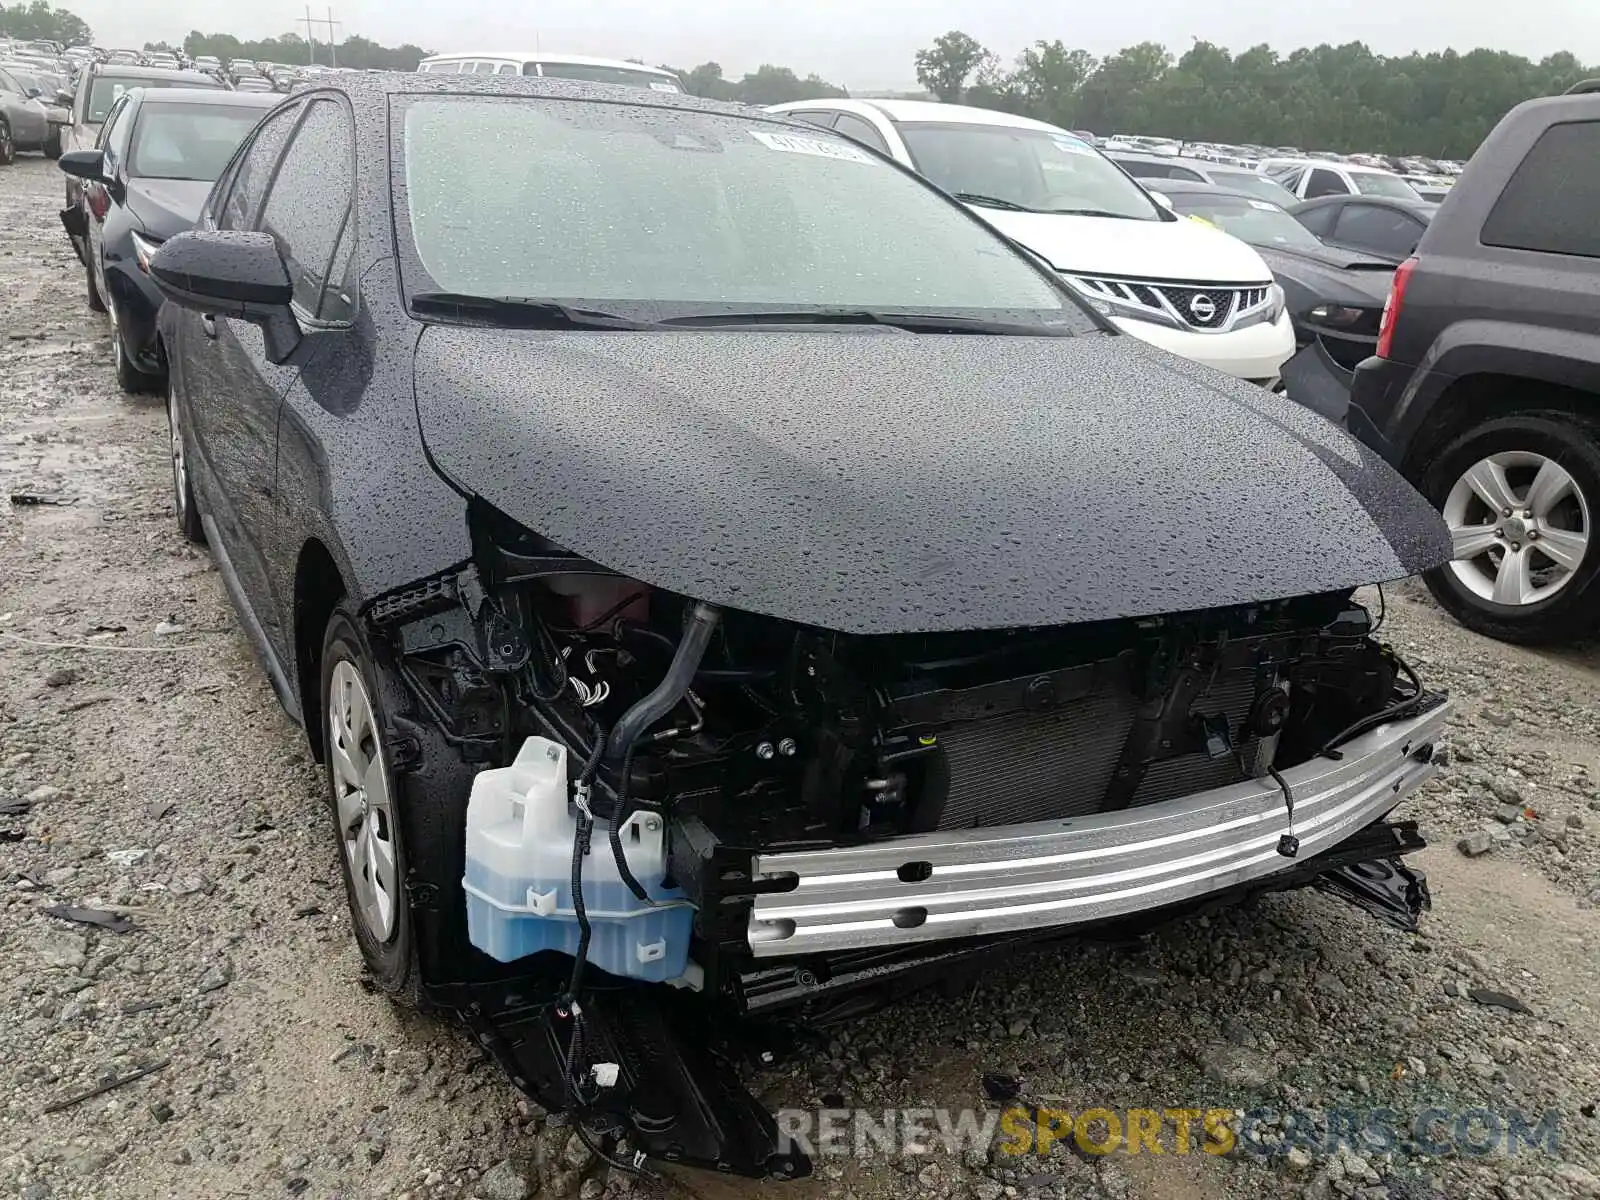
329 24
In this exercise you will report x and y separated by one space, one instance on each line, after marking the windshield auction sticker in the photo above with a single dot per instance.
790 143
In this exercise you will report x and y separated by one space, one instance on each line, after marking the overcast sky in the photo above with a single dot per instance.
866 43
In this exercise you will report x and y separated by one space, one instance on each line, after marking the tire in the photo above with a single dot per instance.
8 144
96 304
129 377
367 829
1511 589
52 143
183 503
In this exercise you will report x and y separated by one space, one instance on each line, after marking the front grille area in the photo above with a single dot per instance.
1050 765
1035 766
1210 308
1204 308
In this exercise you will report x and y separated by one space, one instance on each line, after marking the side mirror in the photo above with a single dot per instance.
234 275
1163 199
83 164
64 98
34 93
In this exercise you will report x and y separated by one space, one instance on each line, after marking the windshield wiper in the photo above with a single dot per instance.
1091 212
520 312
991 201
913 322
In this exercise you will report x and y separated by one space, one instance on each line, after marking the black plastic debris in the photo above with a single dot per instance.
1001 1088
114 1082
40 499
1496 999
115 922
15 808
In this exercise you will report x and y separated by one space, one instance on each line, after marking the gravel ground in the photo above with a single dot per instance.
159 780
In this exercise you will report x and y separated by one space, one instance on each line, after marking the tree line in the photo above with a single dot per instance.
1315 98
39 22
1325 97
295 50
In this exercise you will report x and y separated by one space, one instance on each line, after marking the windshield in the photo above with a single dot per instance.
654 209
1372 183
1259 222
188 141
591 73
1257 185
1035 169
107 89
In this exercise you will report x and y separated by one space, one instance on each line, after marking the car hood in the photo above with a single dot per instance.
1172 250
885 482
1345 276
167 207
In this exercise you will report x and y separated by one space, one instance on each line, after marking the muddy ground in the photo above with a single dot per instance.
150 772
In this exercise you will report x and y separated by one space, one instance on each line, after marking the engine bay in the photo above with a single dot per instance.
747 734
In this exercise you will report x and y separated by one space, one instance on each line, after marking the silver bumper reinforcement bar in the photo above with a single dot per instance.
964 883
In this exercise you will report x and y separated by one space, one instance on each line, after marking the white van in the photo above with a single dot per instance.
554 66
1177 284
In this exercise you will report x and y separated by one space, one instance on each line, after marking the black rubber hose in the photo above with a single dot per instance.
618 816
580 847
698 628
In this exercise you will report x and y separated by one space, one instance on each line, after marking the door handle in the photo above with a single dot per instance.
208 324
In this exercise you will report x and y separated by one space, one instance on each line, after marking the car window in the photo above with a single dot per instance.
1320 219
1325 183
310 198
1382 230
187 141
254 170
1259 222
337 304
1186 173
1144 170
1376 183
660 210
8 84
861 130
112 117
1258 186
1032 168
600 73
483 68
1551 201
508 68
821 118
105 90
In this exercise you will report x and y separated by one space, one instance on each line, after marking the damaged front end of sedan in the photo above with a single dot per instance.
686 812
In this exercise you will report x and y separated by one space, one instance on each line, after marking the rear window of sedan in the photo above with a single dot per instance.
581 200
108 89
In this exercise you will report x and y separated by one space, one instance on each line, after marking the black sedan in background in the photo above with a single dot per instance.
1386 227
1335 296
160 152
99 86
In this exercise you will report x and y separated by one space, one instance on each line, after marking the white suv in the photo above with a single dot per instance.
1175 283
1310 178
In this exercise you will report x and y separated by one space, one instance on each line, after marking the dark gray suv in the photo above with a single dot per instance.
1486 386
